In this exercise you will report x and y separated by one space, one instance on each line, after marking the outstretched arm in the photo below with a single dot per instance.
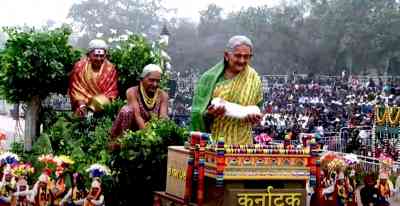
164 105
98 202
66 197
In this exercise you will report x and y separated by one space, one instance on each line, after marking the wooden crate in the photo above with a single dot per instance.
176 171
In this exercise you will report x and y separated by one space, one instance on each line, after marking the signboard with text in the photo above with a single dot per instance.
266 197
176 171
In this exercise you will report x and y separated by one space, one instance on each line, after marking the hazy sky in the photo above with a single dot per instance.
37 12
191 8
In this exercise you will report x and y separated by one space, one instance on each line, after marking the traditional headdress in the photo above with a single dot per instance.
386 164
9 158
62 162
332 162
98 170
150 68
97 44
383 176
48 158
22 169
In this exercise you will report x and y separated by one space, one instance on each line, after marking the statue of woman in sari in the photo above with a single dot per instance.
228 96
93 80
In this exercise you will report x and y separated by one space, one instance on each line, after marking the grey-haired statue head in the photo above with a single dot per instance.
236 41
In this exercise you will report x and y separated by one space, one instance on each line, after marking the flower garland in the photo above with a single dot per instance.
148 101
380 120
390 115
394 112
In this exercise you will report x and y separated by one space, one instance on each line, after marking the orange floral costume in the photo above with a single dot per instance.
85 84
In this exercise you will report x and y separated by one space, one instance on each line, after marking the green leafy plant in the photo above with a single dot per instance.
140 166
130 56
33 64
18 148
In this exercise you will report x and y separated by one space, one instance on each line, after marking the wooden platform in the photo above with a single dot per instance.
164 199
271 179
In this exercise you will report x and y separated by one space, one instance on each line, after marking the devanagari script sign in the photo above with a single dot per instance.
267 197
176 171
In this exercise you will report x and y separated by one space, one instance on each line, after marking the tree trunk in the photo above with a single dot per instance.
32 122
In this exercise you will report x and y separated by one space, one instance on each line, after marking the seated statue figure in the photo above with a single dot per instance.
93 80
144 101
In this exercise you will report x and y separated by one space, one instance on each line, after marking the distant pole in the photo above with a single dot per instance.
165 32
387 69
163 43
349 64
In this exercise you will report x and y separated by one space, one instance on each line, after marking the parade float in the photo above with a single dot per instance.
212 173
208 172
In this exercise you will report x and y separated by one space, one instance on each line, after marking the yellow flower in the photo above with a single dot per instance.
22 169
65 159
46 158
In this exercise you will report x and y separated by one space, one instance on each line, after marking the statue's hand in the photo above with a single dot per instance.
112 146
254 118
81 111
216 111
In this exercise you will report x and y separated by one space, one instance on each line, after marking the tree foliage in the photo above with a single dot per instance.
35 63
130 57
311 36
3 39
112 18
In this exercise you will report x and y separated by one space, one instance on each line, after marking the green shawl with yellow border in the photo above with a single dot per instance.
203 94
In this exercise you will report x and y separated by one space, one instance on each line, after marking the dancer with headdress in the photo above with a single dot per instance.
59 189
40 195
341 190
21 172
385 188
95 196
7 184
77 193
